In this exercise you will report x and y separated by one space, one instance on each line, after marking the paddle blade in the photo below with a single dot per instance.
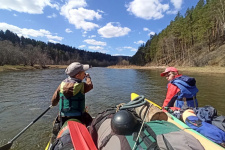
80 136
134 95
6 146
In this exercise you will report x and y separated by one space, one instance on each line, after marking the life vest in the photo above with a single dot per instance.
187 94
75 105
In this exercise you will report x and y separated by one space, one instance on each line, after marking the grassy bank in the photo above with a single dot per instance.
22 67
207 69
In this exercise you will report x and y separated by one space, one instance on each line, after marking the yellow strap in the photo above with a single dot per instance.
78 87
61 87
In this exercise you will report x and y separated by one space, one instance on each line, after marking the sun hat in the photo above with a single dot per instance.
75 68
188 113
169 69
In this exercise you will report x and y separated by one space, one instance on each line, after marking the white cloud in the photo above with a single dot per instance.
79 16
15 15
119 55
68 30
146 29
119 49
125 48
173 12
139 42
27 6
147 9
29 32
82 46
94 42
97 48
50 36
53 41
151 33
177 4
110 31
84 33
92 36
130 48
52 16
100 11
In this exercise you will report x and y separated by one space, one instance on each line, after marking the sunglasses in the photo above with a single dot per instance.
168 74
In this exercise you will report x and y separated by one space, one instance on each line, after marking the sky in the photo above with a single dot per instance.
115 27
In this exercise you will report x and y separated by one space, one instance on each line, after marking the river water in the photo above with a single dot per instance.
26 94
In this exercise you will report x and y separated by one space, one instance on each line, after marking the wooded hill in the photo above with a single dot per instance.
15 50
195 39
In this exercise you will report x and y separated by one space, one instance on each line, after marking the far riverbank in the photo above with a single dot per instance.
22 67
207 69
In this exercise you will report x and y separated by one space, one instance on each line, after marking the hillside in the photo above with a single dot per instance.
195 39
199 58
214 57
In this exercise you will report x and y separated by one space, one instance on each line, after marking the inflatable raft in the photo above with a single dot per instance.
131 126
206 143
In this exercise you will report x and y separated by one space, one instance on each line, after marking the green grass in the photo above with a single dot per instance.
22 67
207 69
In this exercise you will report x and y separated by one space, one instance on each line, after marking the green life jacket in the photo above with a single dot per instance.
75 105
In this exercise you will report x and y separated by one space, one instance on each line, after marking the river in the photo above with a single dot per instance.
26 94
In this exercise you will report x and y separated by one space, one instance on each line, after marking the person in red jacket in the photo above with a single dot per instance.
170 73
181 90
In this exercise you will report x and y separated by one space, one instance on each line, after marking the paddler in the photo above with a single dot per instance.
70 94
181 89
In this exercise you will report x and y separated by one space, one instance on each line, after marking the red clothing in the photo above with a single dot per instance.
171 92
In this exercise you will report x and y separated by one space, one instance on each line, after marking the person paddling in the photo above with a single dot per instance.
70 94
181 89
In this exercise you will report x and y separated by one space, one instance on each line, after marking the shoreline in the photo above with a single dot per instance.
25 68
206 69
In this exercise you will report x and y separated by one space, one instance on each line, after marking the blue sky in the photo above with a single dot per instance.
115 27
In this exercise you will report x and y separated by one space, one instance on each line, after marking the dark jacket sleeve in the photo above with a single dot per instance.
55 97
88 85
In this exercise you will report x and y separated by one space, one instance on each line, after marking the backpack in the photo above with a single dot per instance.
98 120
163 135
155 135
63 143
209 115
205 113
219 121
102 134
208 130
63 140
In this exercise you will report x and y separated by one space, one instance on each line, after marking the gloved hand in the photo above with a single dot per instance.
87 76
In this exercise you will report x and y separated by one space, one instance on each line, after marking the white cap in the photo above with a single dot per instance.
75 68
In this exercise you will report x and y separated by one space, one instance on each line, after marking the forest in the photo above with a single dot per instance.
15 50
195 39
